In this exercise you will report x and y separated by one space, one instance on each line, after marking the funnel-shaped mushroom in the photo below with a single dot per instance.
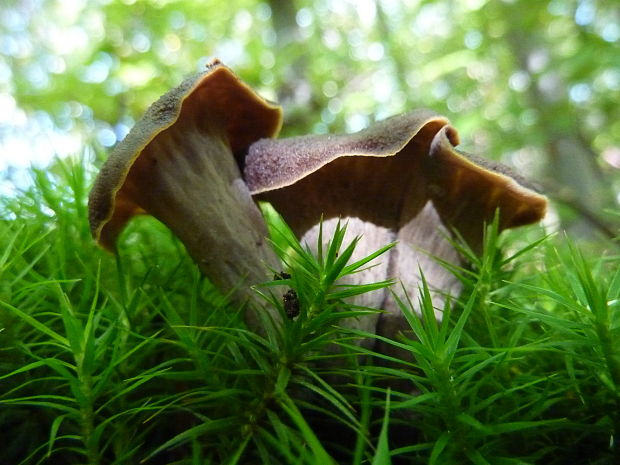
179 164
399 179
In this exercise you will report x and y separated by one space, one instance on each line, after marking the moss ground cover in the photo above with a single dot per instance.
138 359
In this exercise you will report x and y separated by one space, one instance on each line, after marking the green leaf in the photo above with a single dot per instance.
319 453
53 433
382 454
209 426
37 325
438 448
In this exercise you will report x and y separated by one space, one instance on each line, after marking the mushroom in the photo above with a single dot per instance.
400 179
180 164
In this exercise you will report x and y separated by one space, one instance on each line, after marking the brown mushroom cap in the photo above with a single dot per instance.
217 94
180 163
368 175
385 174
274 164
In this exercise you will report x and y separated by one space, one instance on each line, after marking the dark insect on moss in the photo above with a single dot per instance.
281 275
291 304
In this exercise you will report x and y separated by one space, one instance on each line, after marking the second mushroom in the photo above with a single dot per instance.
399 180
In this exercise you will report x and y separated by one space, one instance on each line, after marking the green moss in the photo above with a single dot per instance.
119 360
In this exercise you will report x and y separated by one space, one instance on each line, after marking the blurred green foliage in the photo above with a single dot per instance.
533 83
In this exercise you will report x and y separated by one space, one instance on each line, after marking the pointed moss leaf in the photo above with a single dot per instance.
613 290
37 324
280 428
438 448
524 250
476 457
53 433
238 453
320 454
24 368
334 270
353 267
455 336
209 426
414 322
382 453
428 313
334 246
333 397
344 291
284 376
72 324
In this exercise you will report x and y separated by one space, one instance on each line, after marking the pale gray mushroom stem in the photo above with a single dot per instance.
205 203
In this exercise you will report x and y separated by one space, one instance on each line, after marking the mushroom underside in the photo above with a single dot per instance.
201 197
179 164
